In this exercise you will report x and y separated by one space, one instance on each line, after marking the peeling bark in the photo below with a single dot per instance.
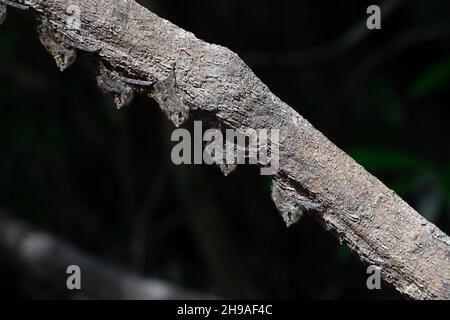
191 76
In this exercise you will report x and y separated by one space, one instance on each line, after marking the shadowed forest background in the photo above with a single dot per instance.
103 180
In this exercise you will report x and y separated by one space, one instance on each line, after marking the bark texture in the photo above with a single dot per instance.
141 52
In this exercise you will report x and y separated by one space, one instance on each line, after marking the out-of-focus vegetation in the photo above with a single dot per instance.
72 164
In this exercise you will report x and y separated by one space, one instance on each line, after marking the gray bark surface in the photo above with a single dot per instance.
137 51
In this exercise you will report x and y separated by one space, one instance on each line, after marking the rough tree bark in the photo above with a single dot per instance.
137 51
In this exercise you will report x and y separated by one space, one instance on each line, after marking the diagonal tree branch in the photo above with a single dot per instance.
350 39
137 51
46 258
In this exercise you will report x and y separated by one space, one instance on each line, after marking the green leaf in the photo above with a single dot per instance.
446 181
343 253
381 160
431 80
388 102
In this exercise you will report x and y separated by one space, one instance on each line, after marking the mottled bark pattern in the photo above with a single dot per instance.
315 176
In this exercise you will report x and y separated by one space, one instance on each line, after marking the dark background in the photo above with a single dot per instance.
102 179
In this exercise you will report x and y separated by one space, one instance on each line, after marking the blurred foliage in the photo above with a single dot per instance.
434 78
72 164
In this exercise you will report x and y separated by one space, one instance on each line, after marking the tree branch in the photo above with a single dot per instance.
46 258
350 39
188 76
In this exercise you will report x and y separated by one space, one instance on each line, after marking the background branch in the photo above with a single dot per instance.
46 258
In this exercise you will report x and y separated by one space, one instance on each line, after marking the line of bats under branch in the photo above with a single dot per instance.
64 52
